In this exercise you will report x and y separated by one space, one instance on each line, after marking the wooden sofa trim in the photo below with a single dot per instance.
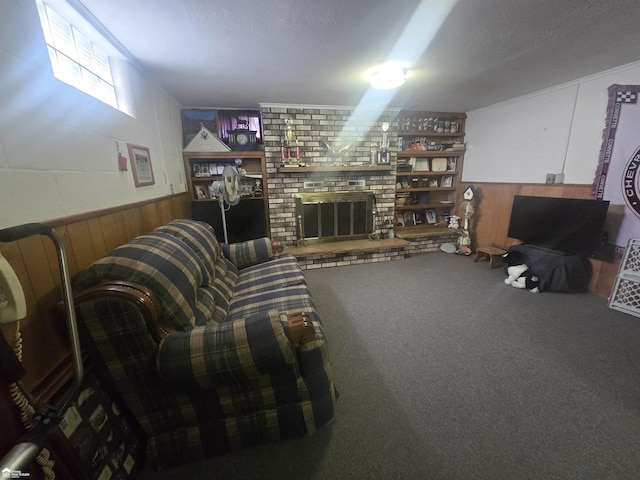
139 295
300 328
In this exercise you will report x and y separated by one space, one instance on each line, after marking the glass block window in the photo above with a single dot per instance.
75 59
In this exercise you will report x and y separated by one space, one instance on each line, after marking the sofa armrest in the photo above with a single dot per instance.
229 353
143 298
300 328
250 252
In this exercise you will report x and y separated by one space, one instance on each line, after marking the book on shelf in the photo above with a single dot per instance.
456 147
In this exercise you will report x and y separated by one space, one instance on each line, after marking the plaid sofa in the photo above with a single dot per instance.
194 337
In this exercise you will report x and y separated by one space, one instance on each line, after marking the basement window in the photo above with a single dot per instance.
75 58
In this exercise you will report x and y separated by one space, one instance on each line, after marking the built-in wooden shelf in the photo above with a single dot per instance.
431 153
425 205
363 168
422 133
425 231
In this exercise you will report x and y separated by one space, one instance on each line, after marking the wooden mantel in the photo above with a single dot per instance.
337 169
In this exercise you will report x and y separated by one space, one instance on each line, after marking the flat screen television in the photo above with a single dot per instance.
567 225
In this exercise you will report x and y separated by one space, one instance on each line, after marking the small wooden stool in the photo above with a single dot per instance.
494 254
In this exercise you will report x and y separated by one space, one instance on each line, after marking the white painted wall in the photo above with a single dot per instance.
558 130
58 146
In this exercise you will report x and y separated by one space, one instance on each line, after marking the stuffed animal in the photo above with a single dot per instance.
454 221
519 274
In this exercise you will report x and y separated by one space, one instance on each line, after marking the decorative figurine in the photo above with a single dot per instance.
257 188
467 206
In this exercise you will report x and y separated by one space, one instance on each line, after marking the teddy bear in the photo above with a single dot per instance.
454 222
519 274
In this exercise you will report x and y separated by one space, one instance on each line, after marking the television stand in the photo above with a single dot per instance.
557 271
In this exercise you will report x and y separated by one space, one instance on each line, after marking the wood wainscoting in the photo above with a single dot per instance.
493 211
86 237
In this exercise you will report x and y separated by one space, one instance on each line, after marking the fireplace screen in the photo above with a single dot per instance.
325 217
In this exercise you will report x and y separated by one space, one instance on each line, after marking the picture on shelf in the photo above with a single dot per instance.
430 216
439 164
447 181
409 219
451 164
201 192
193 119
422 165
433 181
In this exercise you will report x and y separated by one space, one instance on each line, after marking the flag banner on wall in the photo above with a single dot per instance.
617 178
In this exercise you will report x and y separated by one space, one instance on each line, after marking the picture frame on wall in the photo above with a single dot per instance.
140 159
193 119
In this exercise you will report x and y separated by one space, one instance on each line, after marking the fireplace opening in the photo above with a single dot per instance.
330 217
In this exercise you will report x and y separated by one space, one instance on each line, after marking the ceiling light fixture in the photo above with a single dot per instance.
387 76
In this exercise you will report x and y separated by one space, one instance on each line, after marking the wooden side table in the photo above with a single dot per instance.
494 254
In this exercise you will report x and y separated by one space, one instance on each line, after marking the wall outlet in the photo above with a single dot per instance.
559 178
551 178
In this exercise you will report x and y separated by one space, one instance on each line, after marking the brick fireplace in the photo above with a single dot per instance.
349 173
325 173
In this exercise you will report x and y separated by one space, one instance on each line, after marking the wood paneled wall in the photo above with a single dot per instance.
493 210
86 237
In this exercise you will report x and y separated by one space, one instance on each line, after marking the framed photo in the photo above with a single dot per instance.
141 165
447 181
433 181
201 192
430 216
451 164
194 119
422 165
439 164
409 219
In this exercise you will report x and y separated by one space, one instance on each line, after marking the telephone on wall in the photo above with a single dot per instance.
12 308
12 304
41 424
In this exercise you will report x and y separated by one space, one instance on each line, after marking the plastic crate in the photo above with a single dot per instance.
625 295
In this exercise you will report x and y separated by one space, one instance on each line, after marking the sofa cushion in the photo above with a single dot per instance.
212 306
248 253
291 299
272 275
162 263
221 274
200 239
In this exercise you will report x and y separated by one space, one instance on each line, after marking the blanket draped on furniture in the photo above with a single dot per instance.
212 347
556 271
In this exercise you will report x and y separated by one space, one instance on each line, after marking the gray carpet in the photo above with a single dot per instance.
445 372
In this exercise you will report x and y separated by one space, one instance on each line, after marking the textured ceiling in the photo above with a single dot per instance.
463 55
